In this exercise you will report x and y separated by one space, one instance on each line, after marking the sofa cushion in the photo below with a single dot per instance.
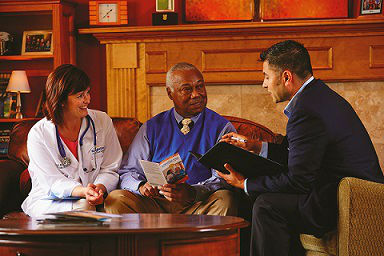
126 129
327 245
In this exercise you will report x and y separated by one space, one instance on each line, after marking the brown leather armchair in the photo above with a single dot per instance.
14 189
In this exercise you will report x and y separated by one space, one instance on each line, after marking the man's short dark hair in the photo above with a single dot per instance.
289 55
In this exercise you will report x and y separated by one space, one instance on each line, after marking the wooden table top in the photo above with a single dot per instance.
128 223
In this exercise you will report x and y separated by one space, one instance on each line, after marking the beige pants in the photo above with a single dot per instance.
221 202
82 205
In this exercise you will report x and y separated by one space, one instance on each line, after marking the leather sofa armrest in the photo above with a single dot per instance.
10 198
361 218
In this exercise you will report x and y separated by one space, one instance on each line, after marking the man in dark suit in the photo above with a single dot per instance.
325 142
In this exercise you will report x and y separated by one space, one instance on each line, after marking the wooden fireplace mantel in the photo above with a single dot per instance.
227 53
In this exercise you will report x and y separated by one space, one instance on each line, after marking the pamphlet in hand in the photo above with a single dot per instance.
243 161
170 170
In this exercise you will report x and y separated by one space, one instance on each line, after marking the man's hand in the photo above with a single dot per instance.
148 190
233 178
182 193
241 141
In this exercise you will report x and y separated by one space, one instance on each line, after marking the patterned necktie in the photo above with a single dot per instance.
185 122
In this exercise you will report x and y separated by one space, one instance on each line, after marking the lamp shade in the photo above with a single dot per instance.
18 82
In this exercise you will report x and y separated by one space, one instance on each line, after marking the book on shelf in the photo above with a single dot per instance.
242 161
4 140
4 96
170 170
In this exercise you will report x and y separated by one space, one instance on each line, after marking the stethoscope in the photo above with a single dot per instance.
66 161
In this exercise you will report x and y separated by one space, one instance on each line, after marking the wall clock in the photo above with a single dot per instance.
108 12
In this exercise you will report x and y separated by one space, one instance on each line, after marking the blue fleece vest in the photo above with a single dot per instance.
166 139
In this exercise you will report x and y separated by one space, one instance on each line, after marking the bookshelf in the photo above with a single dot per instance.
18 17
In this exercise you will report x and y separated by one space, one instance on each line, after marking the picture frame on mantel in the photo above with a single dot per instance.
165 5
369 7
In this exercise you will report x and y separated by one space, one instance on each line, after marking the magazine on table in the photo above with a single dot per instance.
77 217
170 170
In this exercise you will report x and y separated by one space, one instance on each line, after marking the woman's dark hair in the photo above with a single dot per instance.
65 80
289 55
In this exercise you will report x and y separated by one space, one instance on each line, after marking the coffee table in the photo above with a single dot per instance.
133 234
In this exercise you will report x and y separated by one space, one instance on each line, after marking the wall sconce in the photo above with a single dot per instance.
18 83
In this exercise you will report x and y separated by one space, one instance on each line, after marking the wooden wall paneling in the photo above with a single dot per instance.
223 60
63 34
321 57
142 87
58 40
69 14
341 50
376 56
156 62
121 79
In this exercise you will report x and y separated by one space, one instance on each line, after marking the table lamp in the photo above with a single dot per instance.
18 83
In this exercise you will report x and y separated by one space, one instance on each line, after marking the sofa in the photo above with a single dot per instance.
361 203
15 185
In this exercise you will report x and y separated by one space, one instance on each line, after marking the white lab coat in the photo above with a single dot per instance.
49 178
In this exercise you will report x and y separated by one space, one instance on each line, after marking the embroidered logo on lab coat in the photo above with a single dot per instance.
97 150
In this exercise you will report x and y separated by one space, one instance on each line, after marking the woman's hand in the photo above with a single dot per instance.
94 194
241 141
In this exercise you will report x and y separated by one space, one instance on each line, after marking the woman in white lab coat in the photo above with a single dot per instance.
73 151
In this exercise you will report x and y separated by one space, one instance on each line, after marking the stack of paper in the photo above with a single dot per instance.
78 217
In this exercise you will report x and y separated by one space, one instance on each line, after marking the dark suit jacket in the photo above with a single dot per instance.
325 142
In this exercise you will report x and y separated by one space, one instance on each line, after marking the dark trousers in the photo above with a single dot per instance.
276 225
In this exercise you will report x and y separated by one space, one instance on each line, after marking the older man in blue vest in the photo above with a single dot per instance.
189 126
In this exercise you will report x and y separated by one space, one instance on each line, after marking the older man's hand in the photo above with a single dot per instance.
182 193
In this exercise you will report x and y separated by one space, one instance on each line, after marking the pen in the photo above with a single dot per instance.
238 139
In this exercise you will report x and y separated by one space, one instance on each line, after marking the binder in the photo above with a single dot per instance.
243 161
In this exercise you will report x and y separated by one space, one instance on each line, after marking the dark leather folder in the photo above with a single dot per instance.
245 162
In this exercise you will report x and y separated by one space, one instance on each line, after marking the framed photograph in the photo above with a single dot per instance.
37 42
165 5
371 7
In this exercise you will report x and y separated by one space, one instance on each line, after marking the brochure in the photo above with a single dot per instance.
170 170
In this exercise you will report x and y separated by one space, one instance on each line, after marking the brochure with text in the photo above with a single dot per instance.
170 170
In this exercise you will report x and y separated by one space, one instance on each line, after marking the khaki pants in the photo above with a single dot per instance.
221 202
82 205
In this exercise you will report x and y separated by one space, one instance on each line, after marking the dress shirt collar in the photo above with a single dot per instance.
291 103
179 117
